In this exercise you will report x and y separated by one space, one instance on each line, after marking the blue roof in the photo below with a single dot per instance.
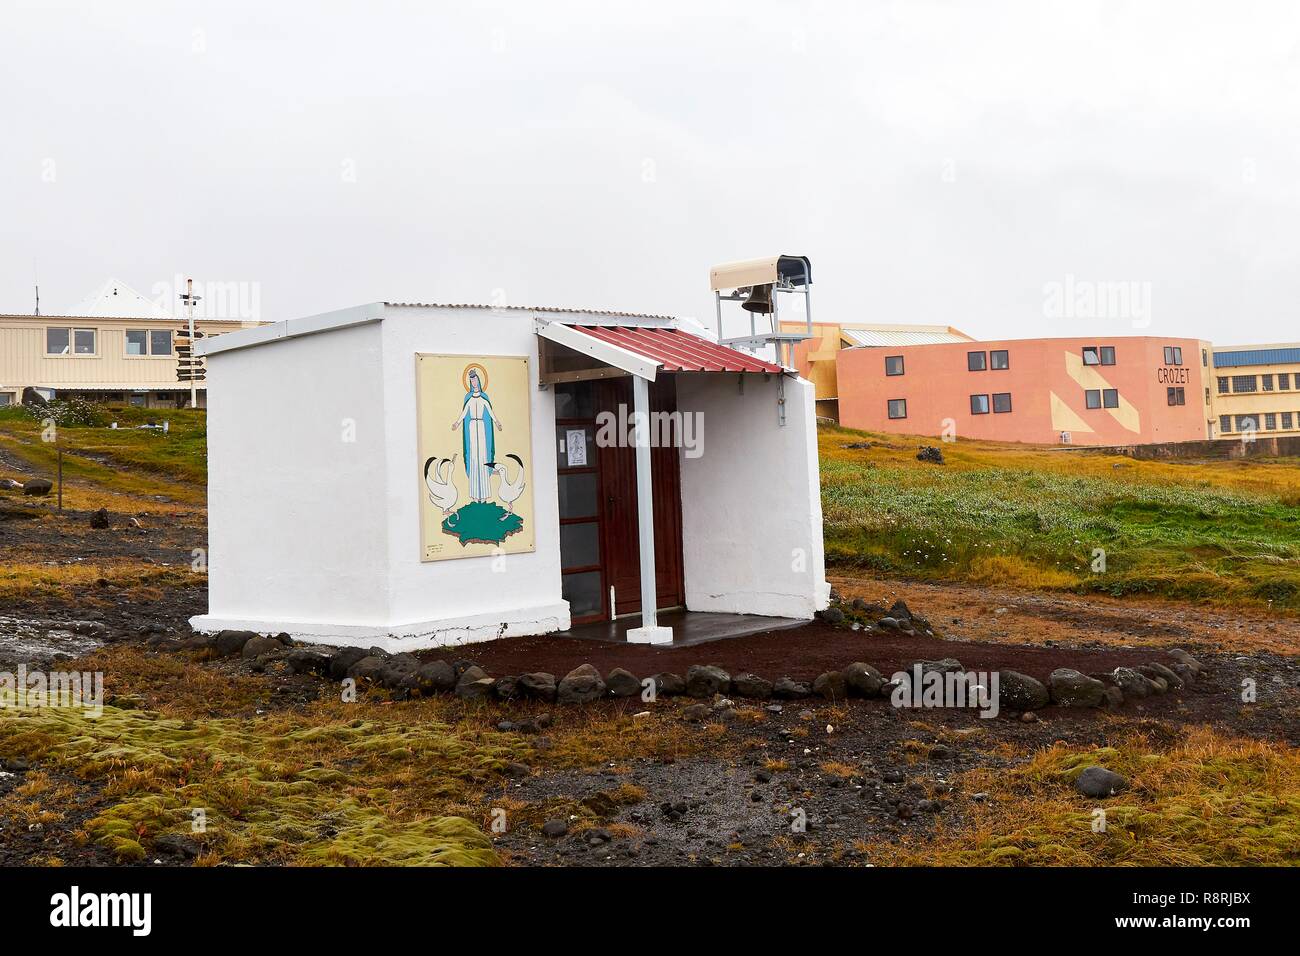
1256 357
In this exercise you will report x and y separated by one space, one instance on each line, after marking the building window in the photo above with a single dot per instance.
1270 421
56 341
1092 398
976 361
1001 402
1176 395
898 408
1286 420
893 365
1207 396
999 359
1225 423
148 342
1173 355
69 341
7 399
1110 398
1245 423
979 404
1267 381
137 401
1244 383
1205 358
1223 384
1091 355
1107 355
1284 382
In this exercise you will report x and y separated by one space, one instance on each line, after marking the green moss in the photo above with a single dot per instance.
121 827
272 789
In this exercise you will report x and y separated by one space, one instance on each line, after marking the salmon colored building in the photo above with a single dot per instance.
1081 391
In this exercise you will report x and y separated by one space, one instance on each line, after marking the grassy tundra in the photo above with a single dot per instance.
106 467
1225 533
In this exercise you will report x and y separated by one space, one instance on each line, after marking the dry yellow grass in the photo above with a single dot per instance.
1262 476
79 495
1006 570
1200 800
836 768
77 583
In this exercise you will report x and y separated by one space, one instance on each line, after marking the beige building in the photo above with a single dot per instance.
116 347
1256 388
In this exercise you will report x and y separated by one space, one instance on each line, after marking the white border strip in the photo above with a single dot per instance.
290 329
633 362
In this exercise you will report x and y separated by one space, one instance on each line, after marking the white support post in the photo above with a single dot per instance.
649 632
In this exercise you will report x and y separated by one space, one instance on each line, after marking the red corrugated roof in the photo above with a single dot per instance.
678 351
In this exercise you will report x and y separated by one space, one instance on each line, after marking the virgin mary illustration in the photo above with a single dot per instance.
476 422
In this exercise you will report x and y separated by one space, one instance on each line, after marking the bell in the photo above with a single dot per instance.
760 299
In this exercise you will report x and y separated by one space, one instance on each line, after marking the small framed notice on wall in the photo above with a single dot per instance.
575 441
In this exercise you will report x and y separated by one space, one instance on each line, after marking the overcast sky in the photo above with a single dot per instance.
947 163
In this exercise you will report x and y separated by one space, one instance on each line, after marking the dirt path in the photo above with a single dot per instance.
989 614
801 653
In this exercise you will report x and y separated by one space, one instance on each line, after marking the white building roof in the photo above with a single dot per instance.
902 335
528 308
117 300
376 311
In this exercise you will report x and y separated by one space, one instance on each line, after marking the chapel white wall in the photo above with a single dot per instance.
298 513
456 601
751 503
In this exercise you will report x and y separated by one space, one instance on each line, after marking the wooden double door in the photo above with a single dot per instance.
599 534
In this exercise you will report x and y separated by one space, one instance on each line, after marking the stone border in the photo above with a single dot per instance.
406 675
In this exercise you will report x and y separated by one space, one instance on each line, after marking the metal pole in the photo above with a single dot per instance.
776 325
645 511
60 440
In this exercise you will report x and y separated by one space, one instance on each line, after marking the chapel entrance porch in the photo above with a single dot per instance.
598 499
621 438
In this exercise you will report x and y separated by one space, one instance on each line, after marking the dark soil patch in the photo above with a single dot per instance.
32 532
25 844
